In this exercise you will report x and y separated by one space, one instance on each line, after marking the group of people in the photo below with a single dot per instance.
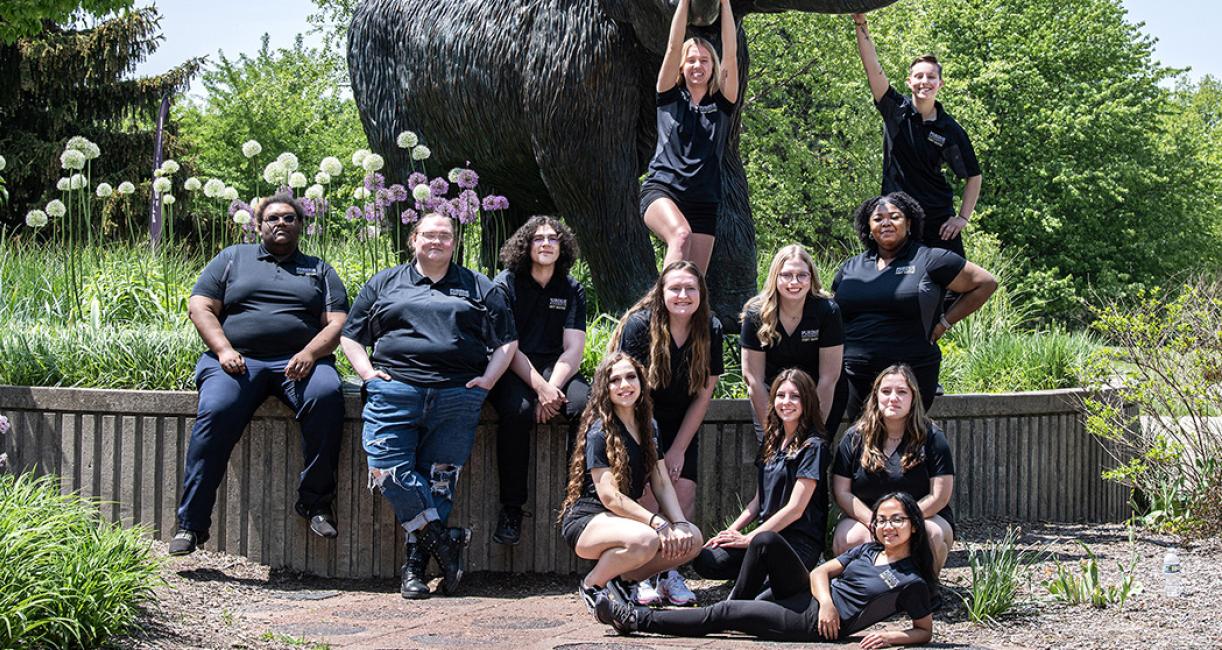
432 341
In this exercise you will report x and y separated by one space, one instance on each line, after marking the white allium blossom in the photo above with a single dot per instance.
3 163
126 188
288 161
167 199
314 192
298 179
453 175
77 182
421 192
83 145
331 165
274 173
241 217
360 194
162 185
358 156
36 218
322 178
170 167
158 173
214 188
63 184
373 162
407 140
91 151
72 159
56 208
420 152
230 193
105 190
251 148
191 184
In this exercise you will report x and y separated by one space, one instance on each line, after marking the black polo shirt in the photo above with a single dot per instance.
869 486
915 150
270 307
431 334
596 456
541 314
778 476
670 402
889 315
691 140
820 327
866 593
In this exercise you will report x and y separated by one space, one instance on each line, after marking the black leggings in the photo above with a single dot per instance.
726 563
791 615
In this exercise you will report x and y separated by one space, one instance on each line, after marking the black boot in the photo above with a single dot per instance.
414 584
437 541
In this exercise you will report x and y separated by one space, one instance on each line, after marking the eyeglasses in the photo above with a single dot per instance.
545 239
894 522
794 277
442 237
280 218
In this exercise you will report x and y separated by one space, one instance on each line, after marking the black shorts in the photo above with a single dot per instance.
578 517
668 430
701 215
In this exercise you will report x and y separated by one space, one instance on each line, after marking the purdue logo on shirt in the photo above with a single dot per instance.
302 270
558 303
905 270
937 140
460 293
889 578
810 335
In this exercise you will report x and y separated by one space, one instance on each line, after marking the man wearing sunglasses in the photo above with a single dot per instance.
271 317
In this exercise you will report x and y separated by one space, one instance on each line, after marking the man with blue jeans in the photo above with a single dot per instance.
271 318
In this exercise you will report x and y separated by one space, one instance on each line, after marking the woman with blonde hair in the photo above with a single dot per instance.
793 323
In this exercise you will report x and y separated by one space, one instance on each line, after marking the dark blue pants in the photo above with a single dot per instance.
227 403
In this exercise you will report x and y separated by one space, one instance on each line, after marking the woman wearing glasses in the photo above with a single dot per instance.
894 447
441 337
865 585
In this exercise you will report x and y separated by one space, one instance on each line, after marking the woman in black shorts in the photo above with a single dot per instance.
866 585
615 455
697 92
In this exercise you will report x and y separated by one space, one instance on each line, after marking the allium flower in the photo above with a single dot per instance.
3 164
170 167
167 199
409 216
322 178
63 184
407 140
397 192
83 145
5 427
416 178
288 161
453 175
214 188
353 213
36 218
77 182
421 192
369 232
358 156
298 180
467 179
162 185
126 188
331 165
373 162
236 205
72 159
374 181
494 202
360 194
312 230
230 194
439 186
275 173
105 190
241 217
192 184
251 148
56 208
314 192
158 173
420 152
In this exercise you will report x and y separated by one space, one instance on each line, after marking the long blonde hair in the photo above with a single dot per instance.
599 408
659 331
810 424
873 430
714 74
767 303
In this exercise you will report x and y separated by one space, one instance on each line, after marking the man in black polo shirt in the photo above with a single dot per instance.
271 317
549 309
918 138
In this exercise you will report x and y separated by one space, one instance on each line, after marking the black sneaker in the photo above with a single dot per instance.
622 614
322 523
186 541
509 526
590 596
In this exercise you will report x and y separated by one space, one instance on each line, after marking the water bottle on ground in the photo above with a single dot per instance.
1173 581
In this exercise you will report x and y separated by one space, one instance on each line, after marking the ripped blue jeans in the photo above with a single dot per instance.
417 439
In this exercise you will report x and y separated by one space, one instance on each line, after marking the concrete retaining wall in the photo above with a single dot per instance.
1021 457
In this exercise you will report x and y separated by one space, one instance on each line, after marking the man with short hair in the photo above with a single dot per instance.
271 317
919 137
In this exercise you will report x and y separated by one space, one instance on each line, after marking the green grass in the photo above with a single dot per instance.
1018 361
292 641
1085 586
67 579
997 568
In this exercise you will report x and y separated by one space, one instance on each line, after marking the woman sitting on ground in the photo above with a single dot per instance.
791 499
615 455
865 585
894 447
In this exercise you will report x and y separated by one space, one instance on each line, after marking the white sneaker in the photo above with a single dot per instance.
674 588
646 594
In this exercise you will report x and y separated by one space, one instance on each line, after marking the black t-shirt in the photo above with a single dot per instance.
915 150
819 328
691 140
869 486
431 334
889 315
596 456
270 308
541 314
670 402
779 475
865 594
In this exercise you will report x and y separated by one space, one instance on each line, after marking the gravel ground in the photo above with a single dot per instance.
212 600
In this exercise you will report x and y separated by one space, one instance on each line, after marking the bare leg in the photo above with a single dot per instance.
941 539
619 545
667 222
659 564
849 533
700 249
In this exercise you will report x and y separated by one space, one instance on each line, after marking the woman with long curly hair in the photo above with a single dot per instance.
894 447
793 323
791 499
865 585
549 309
615 456
672 332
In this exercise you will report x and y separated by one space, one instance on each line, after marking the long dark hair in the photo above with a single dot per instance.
918 544
908 205
810 423
515 254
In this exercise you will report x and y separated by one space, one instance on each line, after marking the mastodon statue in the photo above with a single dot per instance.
552 102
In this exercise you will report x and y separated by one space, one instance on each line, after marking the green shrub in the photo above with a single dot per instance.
67 579
40 354
996 570
1018 361
1086 586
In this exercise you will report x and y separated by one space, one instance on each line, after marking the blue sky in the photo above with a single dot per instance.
1187 35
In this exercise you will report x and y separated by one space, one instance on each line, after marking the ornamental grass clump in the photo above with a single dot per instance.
67 578
997 568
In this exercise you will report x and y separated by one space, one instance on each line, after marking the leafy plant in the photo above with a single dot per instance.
996 570
1086 586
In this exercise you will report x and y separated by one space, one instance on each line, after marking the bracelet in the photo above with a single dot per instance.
661 528
651 519
945 323
965 219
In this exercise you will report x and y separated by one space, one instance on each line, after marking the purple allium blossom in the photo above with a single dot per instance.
416 178
368 232
353 213
461 210
495 202
308 208
439 186
470 200
467 179
398 193
374 181
382 197
239 205
313 229
5 427
409 216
